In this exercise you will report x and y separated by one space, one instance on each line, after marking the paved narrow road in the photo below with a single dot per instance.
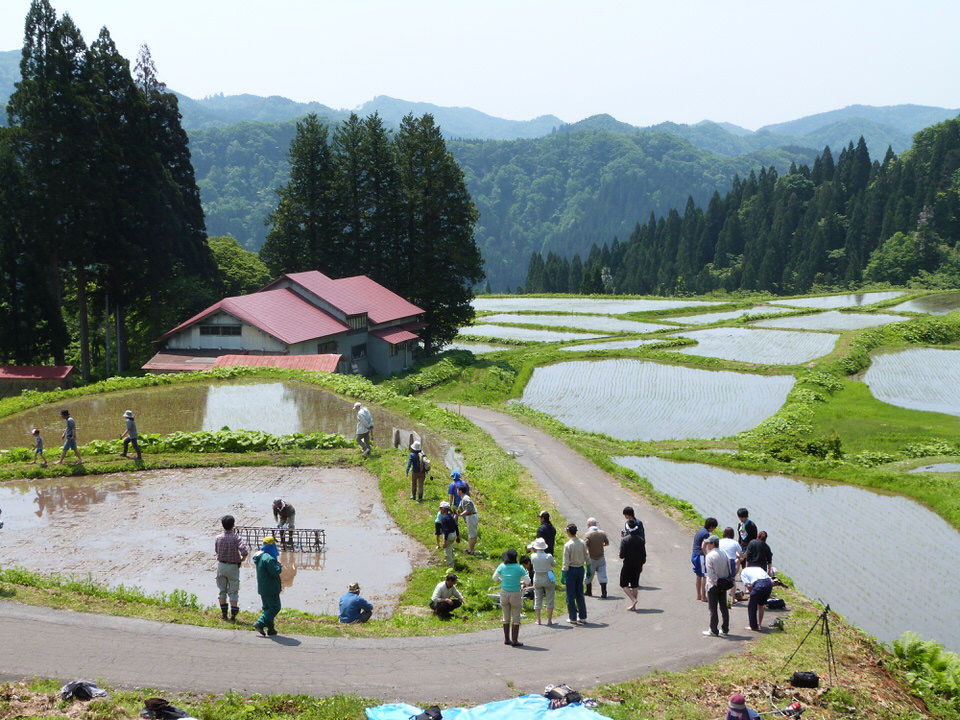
472 668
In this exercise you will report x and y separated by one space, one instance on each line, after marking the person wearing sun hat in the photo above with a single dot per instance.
544 579
268 585
130 435
416 471
456 481
364 428
737 709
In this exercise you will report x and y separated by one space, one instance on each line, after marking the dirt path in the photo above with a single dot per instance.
615 646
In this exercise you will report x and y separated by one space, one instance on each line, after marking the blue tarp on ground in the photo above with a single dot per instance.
525 707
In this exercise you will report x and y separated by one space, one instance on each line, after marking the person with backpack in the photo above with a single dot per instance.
633 552
456 481
416 470
719 581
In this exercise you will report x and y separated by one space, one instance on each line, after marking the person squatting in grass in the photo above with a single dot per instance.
512 577
267 562
446 597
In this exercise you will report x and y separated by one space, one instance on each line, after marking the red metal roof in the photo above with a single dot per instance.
280 313
35 372
317 363
393 335
187 361
355 295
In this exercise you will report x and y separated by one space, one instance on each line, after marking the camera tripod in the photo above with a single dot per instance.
824 618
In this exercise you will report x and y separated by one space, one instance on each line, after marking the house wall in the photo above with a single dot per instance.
382 362
250 338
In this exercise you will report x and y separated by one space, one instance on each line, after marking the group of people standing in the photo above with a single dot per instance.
717 562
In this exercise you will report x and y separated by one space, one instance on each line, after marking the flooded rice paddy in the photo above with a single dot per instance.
764 347
847 559
937 468
831 320
708 318
601 323
640 400
839 301
279 408
526 334
155 530
582 305
917 379
931 304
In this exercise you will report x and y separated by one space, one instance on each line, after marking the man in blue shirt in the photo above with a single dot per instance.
456 482
353 608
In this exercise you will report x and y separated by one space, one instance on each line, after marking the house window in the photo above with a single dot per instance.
357 322
232 330
394 350
358 351
327 348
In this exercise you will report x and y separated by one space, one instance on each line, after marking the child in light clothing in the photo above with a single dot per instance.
38 449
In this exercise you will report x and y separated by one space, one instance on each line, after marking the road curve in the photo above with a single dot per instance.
665 634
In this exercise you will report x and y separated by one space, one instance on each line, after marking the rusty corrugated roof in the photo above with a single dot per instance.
316 363
35 372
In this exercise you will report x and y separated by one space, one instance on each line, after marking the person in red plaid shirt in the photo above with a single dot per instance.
231 551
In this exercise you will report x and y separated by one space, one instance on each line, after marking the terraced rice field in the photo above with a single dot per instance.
601 323
587 305
932 304
709 318
763 347
831 320
641 400
613 345
917 379
839 571
839 301
526 334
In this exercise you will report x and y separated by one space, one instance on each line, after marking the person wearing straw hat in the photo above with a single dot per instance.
544 580
364 428
130 435
416 471
268 586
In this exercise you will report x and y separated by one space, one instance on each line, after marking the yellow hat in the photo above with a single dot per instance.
268 540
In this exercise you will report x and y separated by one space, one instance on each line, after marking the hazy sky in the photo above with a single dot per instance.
749 62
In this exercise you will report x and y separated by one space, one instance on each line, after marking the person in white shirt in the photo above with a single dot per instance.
731 548
718 569
446 597
759 584
364 428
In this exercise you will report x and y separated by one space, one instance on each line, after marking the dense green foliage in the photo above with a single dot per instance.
392 207
98 195
834 225
933 673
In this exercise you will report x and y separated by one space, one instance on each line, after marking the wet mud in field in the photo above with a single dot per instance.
156 529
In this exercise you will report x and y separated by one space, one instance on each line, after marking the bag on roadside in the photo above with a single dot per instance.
81 690
431 713
561 695
776 604
805 679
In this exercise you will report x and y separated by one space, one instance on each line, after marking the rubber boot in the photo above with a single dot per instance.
223 611
603 590
506 634
233 613
589 590
515 635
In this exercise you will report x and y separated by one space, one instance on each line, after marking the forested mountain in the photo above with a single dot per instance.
829 225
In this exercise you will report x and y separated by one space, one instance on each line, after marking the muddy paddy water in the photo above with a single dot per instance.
156 529
279 408
884 562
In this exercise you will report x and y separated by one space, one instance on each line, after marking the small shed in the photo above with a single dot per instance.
14 379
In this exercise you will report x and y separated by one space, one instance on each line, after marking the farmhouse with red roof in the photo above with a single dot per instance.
370 328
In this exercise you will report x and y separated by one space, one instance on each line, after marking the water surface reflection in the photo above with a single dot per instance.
872 557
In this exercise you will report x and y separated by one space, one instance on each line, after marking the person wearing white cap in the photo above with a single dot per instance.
417 473
544 580
450 530
130 436
364 428
596 540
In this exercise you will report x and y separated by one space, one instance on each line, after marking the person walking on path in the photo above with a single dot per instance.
450 531
231 551
353 607
268 585
544 580
285 516
719 580
468 511
69 436
512 577
446 597
547 531
364 428
697 556
633 552
38 448
628 517
574 560
758 583
416 471
130 436
596 540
